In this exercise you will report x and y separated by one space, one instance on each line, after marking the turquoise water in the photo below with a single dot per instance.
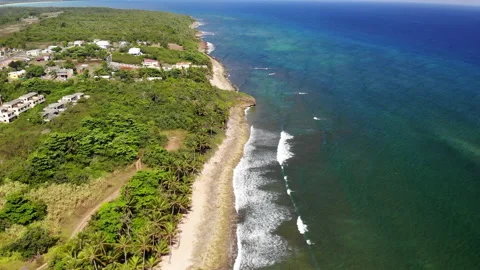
379 109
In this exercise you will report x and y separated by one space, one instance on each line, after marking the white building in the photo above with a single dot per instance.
32 99
182 65
6 115
150 63
71 98
12 109
33 53
78 43
135 51
104 44
55 109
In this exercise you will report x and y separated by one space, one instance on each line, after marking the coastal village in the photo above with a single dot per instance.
49 63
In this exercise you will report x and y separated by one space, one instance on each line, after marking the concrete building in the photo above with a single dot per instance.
12 109
135 51
33 53
15 75
150 63
104 44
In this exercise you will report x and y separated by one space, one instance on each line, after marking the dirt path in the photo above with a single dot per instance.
87 216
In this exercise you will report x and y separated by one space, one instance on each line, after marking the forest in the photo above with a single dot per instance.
51 171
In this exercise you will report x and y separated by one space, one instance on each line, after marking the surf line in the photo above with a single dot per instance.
284 153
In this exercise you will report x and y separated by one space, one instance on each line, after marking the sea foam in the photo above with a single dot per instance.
283 151
302 227
258 245
210 47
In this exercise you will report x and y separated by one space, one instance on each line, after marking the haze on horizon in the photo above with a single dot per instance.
449 2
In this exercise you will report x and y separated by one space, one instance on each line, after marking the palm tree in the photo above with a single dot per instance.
144 245
134 262
151 262
92 254
161 249
123 244
169 230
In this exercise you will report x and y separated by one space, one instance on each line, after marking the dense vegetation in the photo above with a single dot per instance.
110 24
123 122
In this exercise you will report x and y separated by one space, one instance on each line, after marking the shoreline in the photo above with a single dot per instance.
207 232
206 237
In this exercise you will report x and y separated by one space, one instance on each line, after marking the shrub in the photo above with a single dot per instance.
19 210
36 240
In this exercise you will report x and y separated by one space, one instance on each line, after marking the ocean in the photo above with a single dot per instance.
365 141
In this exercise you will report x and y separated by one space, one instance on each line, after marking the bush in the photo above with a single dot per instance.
36 240
19 210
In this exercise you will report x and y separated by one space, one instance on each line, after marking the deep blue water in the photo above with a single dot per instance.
380 152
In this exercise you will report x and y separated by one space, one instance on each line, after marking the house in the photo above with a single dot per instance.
78 43
71 98
33 53
134 51
32 99
104 44
6 115
15 75
16 106
55 109
64 73
150 63
182 65
50 49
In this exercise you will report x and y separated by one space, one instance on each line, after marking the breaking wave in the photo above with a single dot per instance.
258 245
210 48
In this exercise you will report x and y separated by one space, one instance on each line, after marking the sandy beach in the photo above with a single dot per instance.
219 78
207 232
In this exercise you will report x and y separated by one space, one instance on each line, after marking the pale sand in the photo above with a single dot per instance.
206 239
219 78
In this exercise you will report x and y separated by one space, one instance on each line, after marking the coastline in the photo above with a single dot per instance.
206 236
208 230
219 76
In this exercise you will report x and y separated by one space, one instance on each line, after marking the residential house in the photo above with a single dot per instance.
55 109
182 65
64 73
6 115
135 51
104 44
32 98
16 106
71 98
33 53
78 43
15 75
150 63
50 49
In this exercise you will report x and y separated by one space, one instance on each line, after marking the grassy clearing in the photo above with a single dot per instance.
175 139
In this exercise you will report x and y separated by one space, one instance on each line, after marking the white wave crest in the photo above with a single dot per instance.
283 150
302 227
302 93
210 47
261 68
258 244
289 191
318 118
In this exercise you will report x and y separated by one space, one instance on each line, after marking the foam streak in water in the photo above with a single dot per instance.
258 245
283 150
